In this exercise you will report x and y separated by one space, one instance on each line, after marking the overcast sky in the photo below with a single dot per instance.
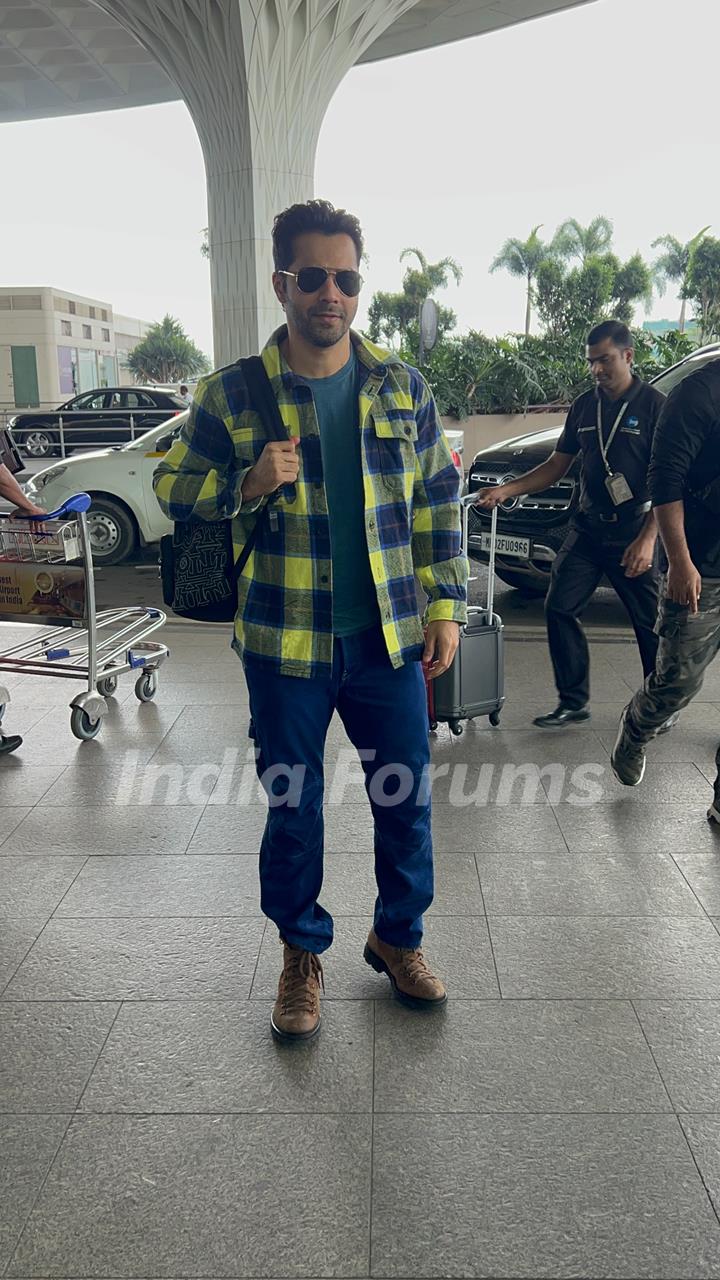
610 108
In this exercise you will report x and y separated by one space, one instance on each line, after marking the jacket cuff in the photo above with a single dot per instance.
254 504
447 611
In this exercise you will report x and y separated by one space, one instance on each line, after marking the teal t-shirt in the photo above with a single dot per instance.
355 606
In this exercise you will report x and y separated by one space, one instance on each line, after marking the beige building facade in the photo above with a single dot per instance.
55 344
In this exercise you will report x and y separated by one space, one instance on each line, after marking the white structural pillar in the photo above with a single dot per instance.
257 77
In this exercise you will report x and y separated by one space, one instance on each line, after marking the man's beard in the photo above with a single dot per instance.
315 333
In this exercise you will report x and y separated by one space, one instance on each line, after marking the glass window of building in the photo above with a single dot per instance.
106 335
87 369
87 331
106 365
67 370
66 328
91 312
71 307
104 315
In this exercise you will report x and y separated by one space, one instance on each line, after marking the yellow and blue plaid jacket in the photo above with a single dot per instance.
412 513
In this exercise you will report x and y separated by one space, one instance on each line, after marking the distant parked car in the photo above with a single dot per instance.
531 529
94 418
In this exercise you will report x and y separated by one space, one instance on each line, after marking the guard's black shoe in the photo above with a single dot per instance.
11 743
561 716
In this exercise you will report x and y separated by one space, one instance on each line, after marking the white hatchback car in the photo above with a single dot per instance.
124 512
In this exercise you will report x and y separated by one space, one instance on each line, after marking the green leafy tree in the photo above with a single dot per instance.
166 354
702 286
571 301
573 240
632 283
672 265
523 258
394 316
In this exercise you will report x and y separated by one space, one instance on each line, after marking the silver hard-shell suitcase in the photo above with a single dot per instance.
474 685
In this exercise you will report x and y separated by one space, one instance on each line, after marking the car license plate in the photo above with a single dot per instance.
506 545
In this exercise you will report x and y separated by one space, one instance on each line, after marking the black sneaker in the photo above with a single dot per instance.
628 758
10 743
561 716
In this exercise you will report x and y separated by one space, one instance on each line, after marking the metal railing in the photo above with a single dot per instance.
62 431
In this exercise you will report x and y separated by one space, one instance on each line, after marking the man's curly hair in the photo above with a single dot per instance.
314 215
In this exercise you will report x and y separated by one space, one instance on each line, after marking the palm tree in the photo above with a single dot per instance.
673 265
573 240
397 313
432 275
522 258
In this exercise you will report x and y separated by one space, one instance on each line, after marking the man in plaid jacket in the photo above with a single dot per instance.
365 497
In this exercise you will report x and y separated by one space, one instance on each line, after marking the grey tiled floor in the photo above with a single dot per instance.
561 1118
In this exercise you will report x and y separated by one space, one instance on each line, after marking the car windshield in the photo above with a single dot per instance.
666 381
168 428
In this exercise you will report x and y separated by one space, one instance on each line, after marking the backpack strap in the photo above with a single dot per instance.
262 400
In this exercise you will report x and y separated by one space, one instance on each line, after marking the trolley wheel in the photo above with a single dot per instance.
433 726
82 726
456 728
107 685
146 686
494 719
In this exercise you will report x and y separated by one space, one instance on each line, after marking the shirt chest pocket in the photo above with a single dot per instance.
391 448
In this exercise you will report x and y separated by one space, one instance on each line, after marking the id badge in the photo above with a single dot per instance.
618 488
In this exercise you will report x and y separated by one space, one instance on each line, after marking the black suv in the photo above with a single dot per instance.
95 418
531 529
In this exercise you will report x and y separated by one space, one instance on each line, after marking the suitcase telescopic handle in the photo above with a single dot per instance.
467 501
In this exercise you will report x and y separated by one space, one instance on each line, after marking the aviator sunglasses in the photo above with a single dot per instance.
310 279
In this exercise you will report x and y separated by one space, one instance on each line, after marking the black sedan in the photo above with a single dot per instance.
531 529
94 419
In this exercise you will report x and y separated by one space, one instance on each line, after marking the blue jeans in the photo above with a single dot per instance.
384 712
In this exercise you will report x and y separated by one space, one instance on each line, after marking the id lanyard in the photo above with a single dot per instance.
605 448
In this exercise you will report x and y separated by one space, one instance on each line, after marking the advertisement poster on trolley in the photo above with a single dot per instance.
48 593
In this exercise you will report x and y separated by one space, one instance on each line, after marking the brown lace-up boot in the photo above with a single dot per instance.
296 1013
411 979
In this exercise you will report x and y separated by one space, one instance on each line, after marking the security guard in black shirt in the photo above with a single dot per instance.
613 531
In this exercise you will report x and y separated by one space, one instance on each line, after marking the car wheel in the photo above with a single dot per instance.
534 588
38 442
113 535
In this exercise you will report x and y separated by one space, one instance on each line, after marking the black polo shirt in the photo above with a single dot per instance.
686 458
629 452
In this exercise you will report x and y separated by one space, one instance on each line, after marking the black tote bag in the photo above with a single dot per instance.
197 566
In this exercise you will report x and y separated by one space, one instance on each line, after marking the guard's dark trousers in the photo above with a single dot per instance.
593 549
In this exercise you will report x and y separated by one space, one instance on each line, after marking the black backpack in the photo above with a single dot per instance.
197 565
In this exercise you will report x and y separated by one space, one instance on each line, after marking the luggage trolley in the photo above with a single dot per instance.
46 578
